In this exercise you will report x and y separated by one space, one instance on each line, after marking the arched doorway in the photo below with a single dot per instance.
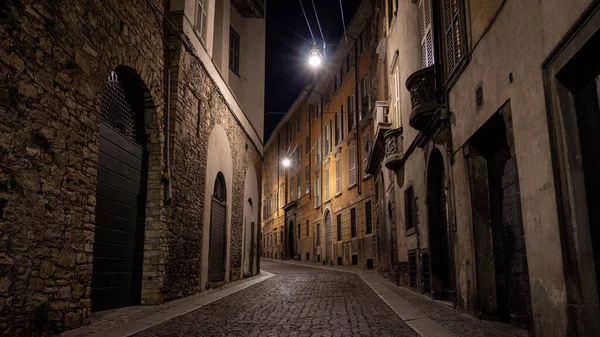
120 194
442 276
328 239
218 227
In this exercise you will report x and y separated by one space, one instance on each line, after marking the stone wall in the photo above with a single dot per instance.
199 107
55 57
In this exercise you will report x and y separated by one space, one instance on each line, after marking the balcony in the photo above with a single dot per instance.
250 8
423 97
394 150
381 125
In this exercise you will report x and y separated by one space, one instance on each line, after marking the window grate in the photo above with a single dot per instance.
425 271
412 268
115 109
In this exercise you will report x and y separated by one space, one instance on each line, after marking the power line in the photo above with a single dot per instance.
307 23
291 30
318 22
344 22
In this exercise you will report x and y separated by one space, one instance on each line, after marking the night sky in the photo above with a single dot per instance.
287 70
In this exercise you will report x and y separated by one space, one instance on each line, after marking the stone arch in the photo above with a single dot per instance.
129 130
440 243
218 160
328 236
251 224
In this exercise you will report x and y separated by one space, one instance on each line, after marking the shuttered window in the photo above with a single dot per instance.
427 58
453 39
201 18
351 165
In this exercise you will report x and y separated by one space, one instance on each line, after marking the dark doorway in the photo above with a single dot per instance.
218 227
442 276
120 195
328 239
587 108
502 270
253 253
290 252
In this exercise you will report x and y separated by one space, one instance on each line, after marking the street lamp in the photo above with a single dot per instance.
314 56
286 162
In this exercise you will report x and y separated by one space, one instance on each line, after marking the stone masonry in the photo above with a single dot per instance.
55 57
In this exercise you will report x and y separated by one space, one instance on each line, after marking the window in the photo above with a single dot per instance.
298 154
337 82
291 189
327 138
275 236
201 18
353 221
339 227
307 145
307 227
365 101
361 40
282 194
318 108
317 190
453 46
275 202
337 131
409 208
366 151
318 152
298 123
395 99
299 231
351 112
338 175
307 179
234 51
290 133
351 165
318 234
426 31
368 218
299 183
326 177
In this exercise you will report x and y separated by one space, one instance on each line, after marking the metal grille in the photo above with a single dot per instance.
412 268
115 108
425 271
219 192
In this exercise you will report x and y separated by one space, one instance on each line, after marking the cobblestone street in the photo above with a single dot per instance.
298 301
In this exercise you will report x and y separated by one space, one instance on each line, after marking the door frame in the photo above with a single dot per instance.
578 265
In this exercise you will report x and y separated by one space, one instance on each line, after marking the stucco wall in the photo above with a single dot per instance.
525 32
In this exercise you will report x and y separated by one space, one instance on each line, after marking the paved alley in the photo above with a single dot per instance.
298 301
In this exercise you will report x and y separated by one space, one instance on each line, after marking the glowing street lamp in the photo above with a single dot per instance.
314 57
286 162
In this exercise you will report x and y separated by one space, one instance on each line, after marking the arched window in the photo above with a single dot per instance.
115 109
219 190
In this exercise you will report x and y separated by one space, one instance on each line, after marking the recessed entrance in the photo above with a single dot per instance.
120 195
501 259
442 276
218 228
328 239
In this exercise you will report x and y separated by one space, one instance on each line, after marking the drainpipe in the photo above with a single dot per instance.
356 151
172 53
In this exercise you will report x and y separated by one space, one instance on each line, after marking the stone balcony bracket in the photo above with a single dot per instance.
394 150
423 97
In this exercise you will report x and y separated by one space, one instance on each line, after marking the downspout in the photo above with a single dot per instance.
172 53
356 151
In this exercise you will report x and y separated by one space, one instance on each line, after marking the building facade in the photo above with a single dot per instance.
130 149
320 208
483 158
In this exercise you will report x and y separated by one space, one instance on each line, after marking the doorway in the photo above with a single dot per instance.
442 275
120 195
217 238
328 239
501 259
290 252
